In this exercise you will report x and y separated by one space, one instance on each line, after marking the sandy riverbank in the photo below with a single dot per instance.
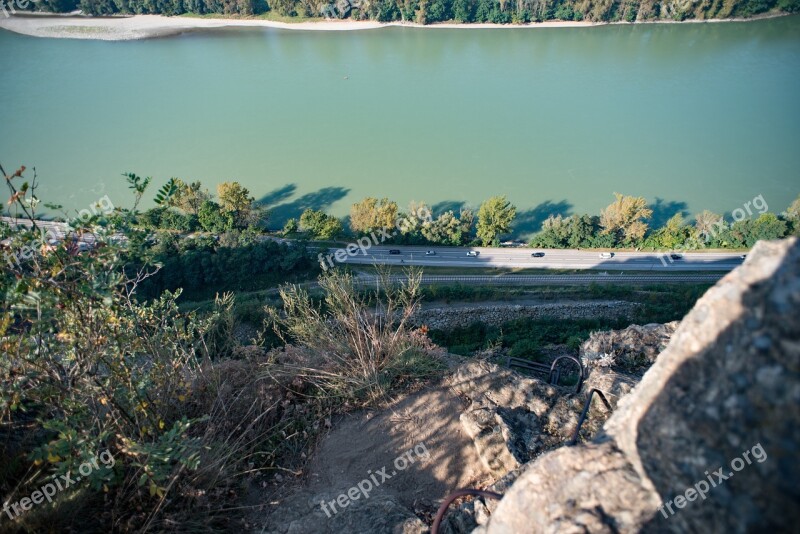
150 26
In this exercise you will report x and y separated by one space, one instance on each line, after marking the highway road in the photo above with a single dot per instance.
513 258
50 229
521 258
553 279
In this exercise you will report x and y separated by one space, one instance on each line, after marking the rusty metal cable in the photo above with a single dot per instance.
455 495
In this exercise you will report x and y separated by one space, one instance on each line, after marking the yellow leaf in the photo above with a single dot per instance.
161 425
181 398
52 458
64 337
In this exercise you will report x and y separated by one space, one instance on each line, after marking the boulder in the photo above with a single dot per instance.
707 441
630 350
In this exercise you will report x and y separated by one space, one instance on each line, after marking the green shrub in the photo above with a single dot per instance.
526 349
575 342
86 369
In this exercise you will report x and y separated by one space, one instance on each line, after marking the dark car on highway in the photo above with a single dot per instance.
537 255
394 251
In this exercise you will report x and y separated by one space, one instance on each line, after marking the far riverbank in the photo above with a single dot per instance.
126 28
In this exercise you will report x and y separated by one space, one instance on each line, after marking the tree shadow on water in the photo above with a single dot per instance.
530 221
318 200
664 210
451 205
278 195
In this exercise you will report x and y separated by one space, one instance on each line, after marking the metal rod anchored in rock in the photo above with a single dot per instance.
585 411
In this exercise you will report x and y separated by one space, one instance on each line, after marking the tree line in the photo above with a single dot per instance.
432 11
492 220
235 220
203 241
625 223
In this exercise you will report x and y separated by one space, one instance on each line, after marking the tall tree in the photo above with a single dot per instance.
189 197
674 233
494 219
625 218
445 229
792 215
372 214
793 211
707 225
467 219
766 227
581 230
413 220
236 199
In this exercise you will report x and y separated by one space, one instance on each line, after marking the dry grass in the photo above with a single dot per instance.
353 346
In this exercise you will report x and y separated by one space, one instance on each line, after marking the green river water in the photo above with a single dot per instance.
691 116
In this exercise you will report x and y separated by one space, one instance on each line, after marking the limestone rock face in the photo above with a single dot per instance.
483 426
722 398
511 418
631 349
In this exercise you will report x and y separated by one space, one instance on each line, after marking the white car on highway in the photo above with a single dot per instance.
606 255
473 253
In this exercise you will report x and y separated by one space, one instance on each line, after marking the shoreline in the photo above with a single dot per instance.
138 27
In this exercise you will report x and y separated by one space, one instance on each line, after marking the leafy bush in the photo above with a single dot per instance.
86 368
526 349
213 219
201 267
291 227
320 225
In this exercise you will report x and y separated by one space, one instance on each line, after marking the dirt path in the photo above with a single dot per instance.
361 446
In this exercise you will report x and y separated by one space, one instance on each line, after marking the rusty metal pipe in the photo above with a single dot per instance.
586 407
455 495
580 371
